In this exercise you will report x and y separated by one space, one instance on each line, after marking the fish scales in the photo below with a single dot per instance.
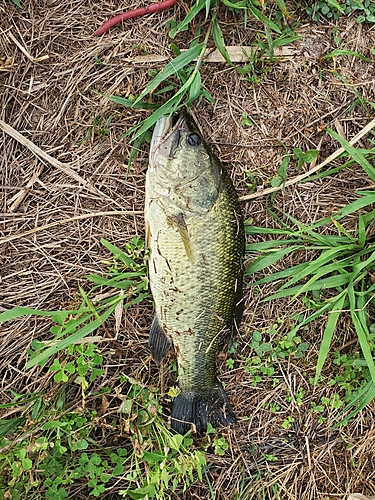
195 233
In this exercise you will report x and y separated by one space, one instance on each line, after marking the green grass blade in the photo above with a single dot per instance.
323 271
285 273
364 397
265 230
72 339
327 283
262 18
183 25
269 259
10 425
236 6
172 68
118 253
334 315
17 312
313 267
346 52
266 245
367 198
219 40
355 153
361 330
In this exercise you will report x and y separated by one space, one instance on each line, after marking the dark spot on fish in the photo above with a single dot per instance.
179 312
186 332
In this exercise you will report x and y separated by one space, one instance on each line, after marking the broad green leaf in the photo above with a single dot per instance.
336 5
141 493
152 458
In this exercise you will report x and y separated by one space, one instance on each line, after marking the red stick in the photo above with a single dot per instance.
154 7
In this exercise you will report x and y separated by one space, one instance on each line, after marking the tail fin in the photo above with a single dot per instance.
199 408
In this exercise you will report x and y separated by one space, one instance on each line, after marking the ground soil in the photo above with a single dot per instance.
54 78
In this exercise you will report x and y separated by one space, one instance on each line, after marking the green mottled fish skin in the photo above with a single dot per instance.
194 230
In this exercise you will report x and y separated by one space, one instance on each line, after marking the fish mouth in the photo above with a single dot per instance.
167 135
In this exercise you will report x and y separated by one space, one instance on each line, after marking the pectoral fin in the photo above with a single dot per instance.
179 223
158 342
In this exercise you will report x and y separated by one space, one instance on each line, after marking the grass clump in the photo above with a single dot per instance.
182 76
339 279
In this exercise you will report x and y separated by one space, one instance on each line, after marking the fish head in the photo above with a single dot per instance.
182 168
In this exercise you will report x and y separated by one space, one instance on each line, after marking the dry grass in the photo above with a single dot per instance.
51 223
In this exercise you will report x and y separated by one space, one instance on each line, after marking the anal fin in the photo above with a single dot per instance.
158 342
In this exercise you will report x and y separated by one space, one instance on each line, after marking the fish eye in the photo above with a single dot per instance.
193 140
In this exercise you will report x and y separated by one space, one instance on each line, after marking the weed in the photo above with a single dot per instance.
127 282
338 279
149 461
57 450
246 121
270 457
288 422
182 75
268 346
333 9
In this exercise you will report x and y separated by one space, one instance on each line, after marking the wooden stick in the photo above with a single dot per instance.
330 158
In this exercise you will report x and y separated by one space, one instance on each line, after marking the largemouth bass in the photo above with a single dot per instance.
194 230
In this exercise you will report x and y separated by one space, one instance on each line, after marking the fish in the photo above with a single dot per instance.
195 237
